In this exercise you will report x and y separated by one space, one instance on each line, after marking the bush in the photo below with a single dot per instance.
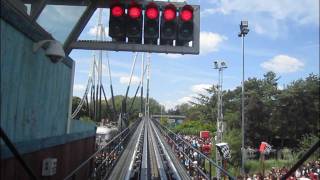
255 166
193 127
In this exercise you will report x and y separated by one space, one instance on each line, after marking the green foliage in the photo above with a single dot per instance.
255 166
305 143
194 127
86 119
287 117
133 107
164 121
233 138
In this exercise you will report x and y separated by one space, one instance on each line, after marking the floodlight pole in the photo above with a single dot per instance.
219 66
243 31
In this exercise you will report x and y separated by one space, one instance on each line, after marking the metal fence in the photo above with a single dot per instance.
186 153
101 163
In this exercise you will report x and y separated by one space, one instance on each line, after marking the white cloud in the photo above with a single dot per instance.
185 99
169 104
171 56
283 64
209 42
200 88
301 11
78 89
125 80
172 104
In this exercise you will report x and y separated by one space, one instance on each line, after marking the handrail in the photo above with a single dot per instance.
310 151
199 152
102 148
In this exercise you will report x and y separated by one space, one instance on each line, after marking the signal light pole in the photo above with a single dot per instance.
243 32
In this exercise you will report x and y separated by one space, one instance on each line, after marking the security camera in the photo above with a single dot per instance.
53 49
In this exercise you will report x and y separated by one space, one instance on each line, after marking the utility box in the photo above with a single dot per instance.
49 167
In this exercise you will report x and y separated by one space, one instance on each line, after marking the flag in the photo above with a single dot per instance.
265 148
224 150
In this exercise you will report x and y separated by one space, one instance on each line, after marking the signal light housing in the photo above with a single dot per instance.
151 24
134 24
117 11
168 27
152 13
185 26
117 23
170 12
186 13
134 12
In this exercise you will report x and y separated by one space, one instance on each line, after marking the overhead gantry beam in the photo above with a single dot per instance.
36 8
78 28
101 3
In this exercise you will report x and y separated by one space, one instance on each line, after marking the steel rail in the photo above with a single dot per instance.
120 135
134 154
169 160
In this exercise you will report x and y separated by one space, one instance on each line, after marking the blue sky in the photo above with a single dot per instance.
283 37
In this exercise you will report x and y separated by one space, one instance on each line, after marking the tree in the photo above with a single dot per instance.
281 117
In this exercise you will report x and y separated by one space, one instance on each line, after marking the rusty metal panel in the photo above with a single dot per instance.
69 156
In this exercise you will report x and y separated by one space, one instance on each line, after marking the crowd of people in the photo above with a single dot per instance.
308 171
190 157
195 164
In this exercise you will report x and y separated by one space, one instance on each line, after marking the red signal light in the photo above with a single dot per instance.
169 12
117 11
186 13
135 12
152 13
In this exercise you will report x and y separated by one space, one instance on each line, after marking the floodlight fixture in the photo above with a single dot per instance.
215 65
244 28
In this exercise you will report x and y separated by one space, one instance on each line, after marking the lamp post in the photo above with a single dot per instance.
219 66
243 32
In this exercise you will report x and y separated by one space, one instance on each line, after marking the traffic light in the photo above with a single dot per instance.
151 24
134 24
168 27
185 26
117 23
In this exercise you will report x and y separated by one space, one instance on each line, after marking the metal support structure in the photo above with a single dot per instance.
77 29
148 85
219 66
142 80
72 43
242 112
36 9
114 46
